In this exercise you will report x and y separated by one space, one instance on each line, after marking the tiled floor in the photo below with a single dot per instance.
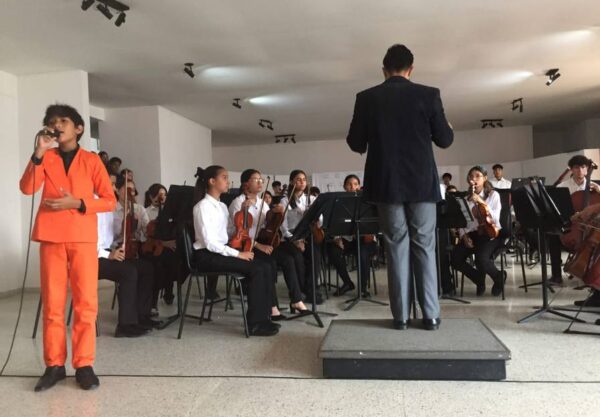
215 371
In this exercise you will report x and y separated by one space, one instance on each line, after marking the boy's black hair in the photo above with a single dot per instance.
115 159
398 58
64 110
447 174
497 166
579 160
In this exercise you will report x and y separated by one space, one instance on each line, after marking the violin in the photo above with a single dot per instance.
484 218
316 230
243 223
130 224
271 233
153 246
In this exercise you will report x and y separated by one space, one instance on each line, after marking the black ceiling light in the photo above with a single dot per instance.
285 138
491 123
188 69
517 104
265 124
105 10
552 75
120 20
86 4
236 103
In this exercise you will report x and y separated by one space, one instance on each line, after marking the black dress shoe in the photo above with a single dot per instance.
130 330
51 376
365 294
264 329
278 317
592 301
401 324
86 378
432 324
480 289
149 324
498 284
343 289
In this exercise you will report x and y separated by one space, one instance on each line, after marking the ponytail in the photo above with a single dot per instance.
202 178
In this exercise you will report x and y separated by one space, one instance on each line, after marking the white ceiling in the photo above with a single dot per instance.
309 57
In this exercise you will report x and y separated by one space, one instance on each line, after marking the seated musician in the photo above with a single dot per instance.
268 197
499 182
134 276
578 166
474 239
277 190
291 262
213 229
343 245
299 201
160 253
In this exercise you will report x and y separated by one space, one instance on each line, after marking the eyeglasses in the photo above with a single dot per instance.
257 180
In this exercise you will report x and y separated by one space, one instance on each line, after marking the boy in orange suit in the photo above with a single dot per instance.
76 187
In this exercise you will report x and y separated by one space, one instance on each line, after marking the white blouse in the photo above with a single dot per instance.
139 213
494 204
254 210
213 227
294 215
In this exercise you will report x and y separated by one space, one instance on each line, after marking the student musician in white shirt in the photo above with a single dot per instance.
298 205
213 228
499 182
252 184
474 241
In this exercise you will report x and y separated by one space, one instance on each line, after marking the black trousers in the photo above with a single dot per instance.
259 280
484 264
165 271
136 281
291 261
271 268
337 259
445 273
555 250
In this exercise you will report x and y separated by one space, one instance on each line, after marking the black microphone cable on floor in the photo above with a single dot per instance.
14 335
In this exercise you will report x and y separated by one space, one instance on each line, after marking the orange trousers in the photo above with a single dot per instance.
75 264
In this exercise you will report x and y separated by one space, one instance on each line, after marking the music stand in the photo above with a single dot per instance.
534 208
452 213
303 231
176 212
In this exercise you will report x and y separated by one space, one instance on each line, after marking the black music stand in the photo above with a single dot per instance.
534 208
452 213
174 215
303 231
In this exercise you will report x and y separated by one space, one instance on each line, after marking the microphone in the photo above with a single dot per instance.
46 132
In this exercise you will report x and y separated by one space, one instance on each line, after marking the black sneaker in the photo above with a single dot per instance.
52 375
265 328
86 378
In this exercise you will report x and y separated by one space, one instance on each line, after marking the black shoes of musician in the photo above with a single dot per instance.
497 288
294 310
149 323
401 324
432 324
52 375
130 330
168 299
592 301
86 378
344 289
265 328
449 293
558 281
365 294
319 298
278 317
481 288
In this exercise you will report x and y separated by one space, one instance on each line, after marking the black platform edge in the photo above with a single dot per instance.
414 369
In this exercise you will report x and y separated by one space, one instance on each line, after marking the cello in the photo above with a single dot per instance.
583 262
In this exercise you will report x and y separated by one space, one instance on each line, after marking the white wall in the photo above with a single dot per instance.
35 93
184 145
11 244
132 134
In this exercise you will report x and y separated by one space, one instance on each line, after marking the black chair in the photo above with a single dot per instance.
195 273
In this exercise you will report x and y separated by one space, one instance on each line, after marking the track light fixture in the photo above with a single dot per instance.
517 104
120 20
552 75
105 10
491 123
265 124
86 4
189 69
236 103
285 138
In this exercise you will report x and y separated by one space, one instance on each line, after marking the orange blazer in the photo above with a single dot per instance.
87 179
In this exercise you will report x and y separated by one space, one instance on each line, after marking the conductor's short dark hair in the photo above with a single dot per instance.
398 58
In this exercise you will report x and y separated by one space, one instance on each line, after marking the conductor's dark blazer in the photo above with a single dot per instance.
395 123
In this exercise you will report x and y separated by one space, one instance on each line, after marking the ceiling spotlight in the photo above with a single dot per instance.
491 123
264 123
552 75
86 4
236 103
120 20
293 139
277 139
270 126
188 69
517 104
105 10
285 138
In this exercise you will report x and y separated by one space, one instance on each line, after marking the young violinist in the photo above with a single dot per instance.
268 197
475 240
213 229
161 253
299 202
75 187
290 261
126 202
342 245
